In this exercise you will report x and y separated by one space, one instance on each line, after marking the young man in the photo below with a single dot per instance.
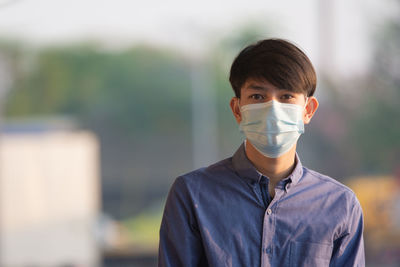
261 207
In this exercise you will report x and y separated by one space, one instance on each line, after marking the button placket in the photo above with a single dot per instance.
269 227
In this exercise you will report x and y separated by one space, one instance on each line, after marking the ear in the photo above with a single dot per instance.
310 109
235 107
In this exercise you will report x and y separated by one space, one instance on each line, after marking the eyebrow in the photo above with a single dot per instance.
263 88
257 87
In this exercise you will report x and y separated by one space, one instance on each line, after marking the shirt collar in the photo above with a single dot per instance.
297 173
245 169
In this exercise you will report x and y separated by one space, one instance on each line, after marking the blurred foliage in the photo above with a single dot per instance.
130 89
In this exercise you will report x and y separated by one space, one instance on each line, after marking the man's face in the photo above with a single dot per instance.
256 91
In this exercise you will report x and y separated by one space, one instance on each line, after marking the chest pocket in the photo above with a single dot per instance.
310 254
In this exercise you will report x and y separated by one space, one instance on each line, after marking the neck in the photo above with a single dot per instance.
275 169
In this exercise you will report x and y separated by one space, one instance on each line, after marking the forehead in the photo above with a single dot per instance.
259 84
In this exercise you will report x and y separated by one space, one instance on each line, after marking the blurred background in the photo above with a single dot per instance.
104 103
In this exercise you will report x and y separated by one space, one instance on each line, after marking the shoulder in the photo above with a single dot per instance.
341 201
206 180
330 186
331 182
218 170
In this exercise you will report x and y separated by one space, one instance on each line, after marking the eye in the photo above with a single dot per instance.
257 97
287 97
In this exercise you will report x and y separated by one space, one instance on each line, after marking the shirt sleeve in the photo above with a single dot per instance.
180 241
349 248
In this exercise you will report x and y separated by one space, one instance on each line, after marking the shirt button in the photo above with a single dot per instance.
269 211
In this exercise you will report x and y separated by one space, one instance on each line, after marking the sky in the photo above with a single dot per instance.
191 26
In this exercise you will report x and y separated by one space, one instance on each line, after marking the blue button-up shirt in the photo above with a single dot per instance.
222 215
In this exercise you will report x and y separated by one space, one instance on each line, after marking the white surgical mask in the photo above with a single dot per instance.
273 128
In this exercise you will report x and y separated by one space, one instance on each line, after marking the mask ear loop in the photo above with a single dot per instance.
245 140
305 105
